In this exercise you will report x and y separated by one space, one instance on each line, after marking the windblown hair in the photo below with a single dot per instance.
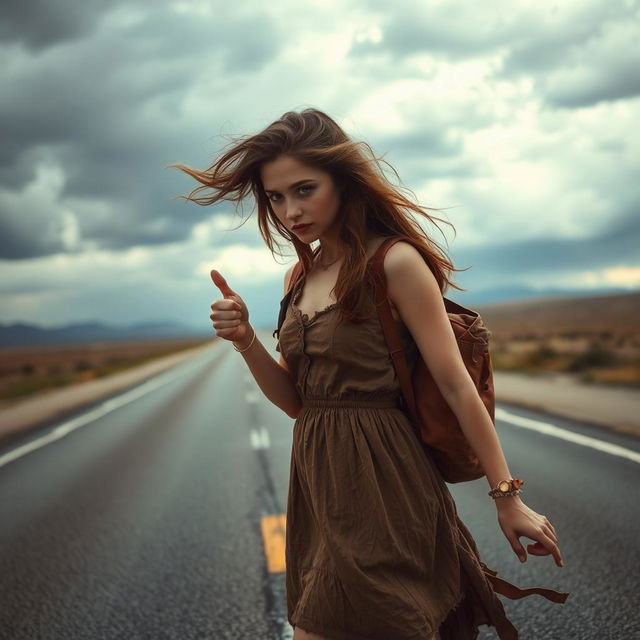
369 201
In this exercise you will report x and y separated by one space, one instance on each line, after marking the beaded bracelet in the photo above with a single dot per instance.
249 345
515 492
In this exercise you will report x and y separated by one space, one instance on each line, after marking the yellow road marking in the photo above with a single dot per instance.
273 536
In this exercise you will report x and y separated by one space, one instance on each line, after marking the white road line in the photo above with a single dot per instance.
260 439
564 434
80 421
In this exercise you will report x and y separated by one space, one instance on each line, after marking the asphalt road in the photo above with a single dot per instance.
144 519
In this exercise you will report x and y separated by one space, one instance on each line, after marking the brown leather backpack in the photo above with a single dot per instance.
434 422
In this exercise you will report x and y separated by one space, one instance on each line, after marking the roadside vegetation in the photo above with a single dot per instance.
30 370
592 360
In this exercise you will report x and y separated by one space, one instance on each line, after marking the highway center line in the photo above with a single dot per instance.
273 538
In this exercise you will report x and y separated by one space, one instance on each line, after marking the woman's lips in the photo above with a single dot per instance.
302 228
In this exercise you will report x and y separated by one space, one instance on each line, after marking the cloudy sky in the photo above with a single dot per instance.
519 120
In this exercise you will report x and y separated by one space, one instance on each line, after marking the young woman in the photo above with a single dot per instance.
374 547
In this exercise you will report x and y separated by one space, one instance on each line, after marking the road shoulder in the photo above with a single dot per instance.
34 412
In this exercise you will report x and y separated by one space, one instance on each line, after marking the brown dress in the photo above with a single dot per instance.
374 546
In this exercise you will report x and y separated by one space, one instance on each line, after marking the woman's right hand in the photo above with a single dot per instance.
229 314
517 519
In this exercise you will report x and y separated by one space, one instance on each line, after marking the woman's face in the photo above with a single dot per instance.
302 194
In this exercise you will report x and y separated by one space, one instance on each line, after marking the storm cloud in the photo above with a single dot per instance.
518 121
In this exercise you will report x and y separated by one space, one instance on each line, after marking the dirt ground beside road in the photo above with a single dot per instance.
609 406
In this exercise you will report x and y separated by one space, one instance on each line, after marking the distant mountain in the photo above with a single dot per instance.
611 314
22 334
515 293
502 308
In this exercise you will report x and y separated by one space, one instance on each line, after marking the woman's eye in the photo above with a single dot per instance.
306 189
273 197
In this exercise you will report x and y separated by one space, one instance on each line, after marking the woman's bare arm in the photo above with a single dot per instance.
414 290
272 377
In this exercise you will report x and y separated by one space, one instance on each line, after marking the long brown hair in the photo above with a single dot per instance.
369 200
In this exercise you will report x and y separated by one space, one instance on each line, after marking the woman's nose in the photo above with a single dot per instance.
293 211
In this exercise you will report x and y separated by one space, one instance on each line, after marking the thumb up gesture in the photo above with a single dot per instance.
229 314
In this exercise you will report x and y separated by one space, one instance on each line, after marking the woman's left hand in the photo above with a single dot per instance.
516 519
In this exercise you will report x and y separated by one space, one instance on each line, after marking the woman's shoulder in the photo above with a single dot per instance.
287 277
401 254
399 260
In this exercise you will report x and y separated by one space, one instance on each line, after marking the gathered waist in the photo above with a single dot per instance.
378 402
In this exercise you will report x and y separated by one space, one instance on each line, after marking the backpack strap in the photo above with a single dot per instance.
389 328
284 303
